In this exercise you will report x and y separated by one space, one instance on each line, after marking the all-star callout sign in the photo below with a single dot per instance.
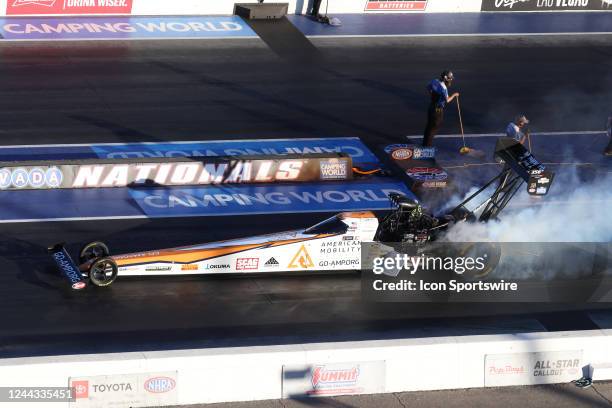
395 5
546 5
67 7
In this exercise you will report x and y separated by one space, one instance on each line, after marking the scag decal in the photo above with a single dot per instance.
247 264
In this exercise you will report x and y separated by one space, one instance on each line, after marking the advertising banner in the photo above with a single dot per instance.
125 390
396 5
546 5
334 379
67 7
122 28
174 172
546 367
359 152
267 199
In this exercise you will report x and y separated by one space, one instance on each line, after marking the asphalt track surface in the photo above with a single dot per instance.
223 89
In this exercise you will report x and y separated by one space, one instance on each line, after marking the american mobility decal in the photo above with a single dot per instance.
59 7
396 5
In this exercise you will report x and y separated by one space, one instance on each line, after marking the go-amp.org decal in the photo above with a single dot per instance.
353 146
123 28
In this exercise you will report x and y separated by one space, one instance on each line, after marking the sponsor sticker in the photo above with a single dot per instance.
247 264
402 154
59 7
415 152
546 367
396 5
217 266
301 259
272 263
330 379
159 385
189 267
334 169
81 389
158 268
427 174
133 390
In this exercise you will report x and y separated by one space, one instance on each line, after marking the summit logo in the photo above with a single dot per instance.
271 263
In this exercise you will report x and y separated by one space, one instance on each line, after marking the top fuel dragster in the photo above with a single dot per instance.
333 244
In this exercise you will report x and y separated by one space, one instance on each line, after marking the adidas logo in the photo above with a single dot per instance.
271 262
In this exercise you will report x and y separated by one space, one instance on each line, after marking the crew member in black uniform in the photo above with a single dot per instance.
438 89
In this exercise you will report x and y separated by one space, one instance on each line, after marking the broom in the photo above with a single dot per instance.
464 149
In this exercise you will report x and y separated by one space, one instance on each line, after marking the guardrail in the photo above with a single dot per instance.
271 372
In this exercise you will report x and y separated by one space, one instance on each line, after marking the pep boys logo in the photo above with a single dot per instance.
323 377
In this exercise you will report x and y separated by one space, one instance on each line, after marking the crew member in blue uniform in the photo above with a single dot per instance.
518 129
438 89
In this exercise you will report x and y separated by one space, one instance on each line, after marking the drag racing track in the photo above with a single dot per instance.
225 89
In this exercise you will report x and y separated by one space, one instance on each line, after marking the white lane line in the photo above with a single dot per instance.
136 217
457 35
309 139
477 135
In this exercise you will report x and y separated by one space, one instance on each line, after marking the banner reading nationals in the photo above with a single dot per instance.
126 28
546 5
58 7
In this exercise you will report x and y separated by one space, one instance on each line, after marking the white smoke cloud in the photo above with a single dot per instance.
573 211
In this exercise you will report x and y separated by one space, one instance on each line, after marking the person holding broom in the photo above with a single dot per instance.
518 129
438 90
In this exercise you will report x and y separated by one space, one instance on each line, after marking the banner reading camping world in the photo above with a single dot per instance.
123 28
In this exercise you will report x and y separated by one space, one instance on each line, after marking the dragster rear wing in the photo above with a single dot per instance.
521 166
67 266
525 165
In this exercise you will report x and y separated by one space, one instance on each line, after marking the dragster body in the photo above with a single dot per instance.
331 244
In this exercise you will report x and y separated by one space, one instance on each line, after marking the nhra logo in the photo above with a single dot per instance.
21 177
322 377
159 385
402 154
247 264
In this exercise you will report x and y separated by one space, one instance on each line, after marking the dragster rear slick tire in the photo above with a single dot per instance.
103 272
93 250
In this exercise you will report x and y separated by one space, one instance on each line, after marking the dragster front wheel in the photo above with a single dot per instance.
489 254
103 272
93 250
